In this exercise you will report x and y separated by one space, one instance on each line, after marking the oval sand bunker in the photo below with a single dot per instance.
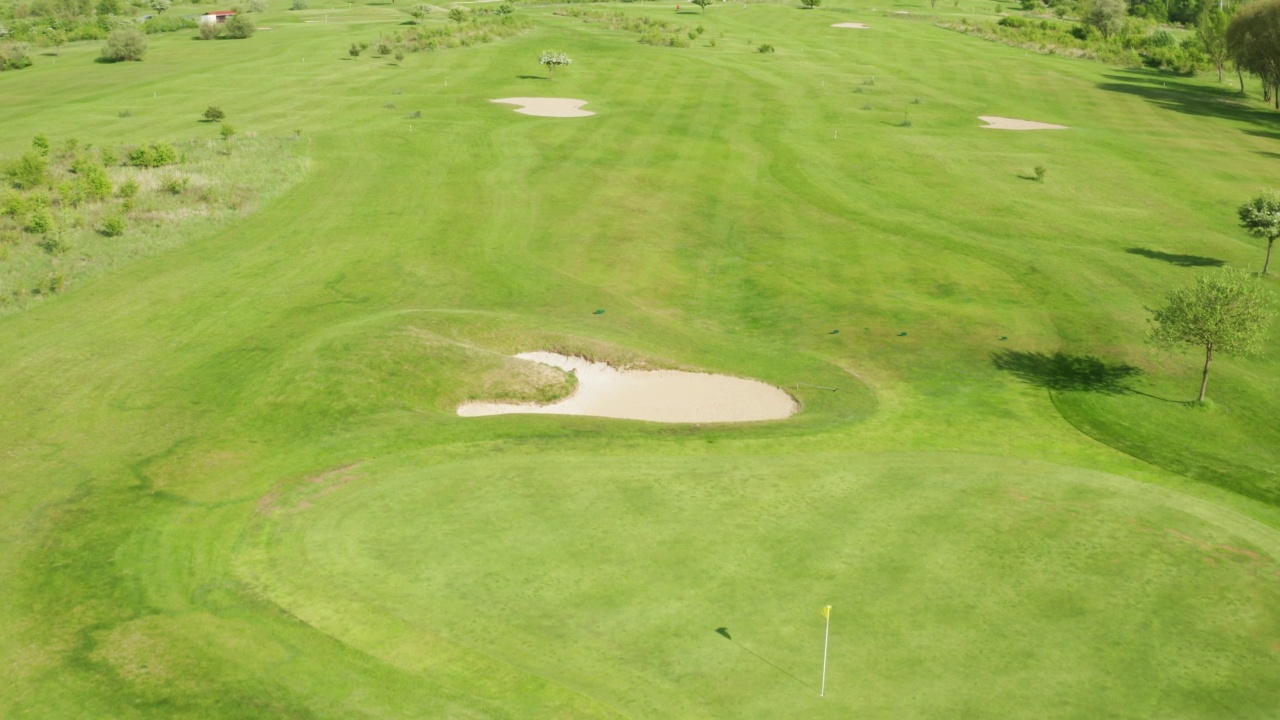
548 107
852 26
1003 123
669 396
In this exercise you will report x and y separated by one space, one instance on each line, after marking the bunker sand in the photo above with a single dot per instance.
1002 123
670 396
548 107
852 26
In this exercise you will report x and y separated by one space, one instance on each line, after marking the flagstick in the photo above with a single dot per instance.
826 643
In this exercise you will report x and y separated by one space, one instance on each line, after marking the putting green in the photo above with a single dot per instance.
957 582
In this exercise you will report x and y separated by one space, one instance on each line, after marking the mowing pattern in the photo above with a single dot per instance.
233 484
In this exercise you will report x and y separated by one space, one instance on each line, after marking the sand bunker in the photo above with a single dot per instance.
855 26
1003 123
548 107
656 395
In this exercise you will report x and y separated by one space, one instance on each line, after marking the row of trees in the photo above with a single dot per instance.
1228 311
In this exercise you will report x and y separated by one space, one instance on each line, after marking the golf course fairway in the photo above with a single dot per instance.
234 482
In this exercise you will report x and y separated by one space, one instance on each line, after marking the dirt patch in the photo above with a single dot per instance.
548 107
672 396
1002 123
852 26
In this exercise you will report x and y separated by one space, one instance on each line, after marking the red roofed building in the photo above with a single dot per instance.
216 16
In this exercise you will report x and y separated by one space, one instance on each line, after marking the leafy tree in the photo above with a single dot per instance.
227 131
299 5
240 26
160 5
420 12
122 45
704 3
258 6
1253 42
506 8
1211 32
458 15
552 60
214 114
1106 16
1227 311
40 143
1261 218
354 50
210 30
55 38
92 181
108 7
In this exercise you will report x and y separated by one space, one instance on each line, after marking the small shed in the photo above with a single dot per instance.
215 17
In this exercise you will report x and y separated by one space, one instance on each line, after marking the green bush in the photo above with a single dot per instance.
213 113
91 179
168 23
153 155
257 6
128 189
240 26
765 48
124 45
210 30
28 171
113 226
299 5
14 57
40 222
1013 21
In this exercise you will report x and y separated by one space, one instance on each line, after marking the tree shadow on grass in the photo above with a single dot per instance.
1175 94
1063 371
532 77
1179 260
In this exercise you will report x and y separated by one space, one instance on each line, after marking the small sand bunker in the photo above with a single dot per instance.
1003 123
548 107
670 396
854 26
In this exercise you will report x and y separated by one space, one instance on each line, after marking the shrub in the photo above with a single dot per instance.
14 57
29 170
109 157
113 226
240 26
1041 171
128 189
226 131
1012 21
54 282
14 206
153 155
92 180
124 45
213 114
765 48
210 30
354 51
712 42
399 56
40 222
175 184
167 23
458 15
384 49
693 35
299 5
40 143
811 3
257 6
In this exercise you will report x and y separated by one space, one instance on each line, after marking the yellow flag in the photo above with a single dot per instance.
826 613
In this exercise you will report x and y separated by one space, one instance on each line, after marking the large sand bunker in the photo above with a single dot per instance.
854 26
669 396
548 107
1003 123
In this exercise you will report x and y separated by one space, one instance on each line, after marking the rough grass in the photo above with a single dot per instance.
233 484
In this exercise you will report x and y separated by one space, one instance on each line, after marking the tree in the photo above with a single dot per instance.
1253 42
354 50
458 15
240 26
160 5
213 113
210 30
1261 218
29 170
127 44
55 39
553 60
1107 16
704 3
420 12
506 8
1227 311
1211 31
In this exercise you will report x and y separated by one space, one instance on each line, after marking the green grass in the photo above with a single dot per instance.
233 484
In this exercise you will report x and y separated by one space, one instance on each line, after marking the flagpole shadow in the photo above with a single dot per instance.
724 632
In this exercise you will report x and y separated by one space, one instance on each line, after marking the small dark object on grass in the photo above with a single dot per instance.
598 312
902 334
415 114
1040 173
390 106
868 106
1004 337
917 101
765 48
126 113
834 332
